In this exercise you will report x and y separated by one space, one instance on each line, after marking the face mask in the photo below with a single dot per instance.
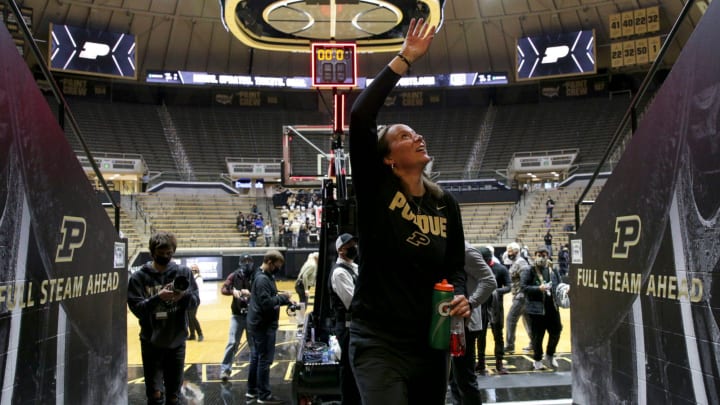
512 256
541 261
162 260
351 252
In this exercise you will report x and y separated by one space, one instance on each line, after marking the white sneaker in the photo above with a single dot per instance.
551 360
538 365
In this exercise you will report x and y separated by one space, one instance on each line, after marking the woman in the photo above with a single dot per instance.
306 277
193 323
412 237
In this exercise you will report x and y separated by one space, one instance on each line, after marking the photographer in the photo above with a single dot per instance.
539 283
262 326
160 295
238 285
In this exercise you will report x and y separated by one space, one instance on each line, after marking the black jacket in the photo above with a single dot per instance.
265 303
163 325
537 302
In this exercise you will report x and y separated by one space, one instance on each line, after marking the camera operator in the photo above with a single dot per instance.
160 295
342 284
539 283
238 285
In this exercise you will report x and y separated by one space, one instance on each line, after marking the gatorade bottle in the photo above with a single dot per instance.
443 294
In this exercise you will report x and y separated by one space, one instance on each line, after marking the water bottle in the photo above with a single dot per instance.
443 294
457 336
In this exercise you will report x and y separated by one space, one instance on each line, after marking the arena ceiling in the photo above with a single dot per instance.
476 35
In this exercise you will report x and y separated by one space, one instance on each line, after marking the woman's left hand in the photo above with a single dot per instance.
460 306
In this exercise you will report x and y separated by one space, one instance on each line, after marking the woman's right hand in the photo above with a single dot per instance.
418 40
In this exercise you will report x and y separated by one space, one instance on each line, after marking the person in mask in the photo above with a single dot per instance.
238 285
262 326
160 295
539 284
516 264
342 285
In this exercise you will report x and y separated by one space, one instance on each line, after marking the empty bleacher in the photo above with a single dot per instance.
210 134
586 124
121 128
197 220
484 223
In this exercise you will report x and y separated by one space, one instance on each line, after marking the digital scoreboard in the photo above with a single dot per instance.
334 64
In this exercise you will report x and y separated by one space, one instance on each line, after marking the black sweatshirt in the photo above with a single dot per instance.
265 303
163 325
403 254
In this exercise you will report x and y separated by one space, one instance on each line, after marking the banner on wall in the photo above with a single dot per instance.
648 253
63 268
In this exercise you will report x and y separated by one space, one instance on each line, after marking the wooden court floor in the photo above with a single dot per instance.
203 383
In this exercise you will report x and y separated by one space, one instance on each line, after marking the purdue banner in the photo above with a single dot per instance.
63 276
646 261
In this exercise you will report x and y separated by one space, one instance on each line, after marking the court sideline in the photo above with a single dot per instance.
204 386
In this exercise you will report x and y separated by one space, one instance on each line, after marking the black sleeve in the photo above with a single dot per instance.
140 306
366 165
503 280
527 283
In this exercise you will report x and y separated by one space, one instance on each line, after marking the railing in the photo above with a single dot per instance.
630 117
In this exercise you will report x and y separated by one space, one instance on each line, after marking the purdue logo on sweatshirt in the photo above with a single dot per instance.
427 224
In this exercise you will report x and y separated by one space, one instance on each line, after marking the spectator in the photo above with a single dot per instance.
549 205
495 311
564 261
262 325
238 285
157 298
306 277
343 276
480 285
193 322
539 284
516 265
548 238
412 238
252 238
240 222
268 233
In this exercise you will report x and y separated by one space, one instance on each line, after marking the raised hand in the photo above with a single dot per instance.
418 40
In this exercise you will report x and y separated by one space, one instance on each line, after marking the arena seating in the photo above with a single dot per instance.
484 223
198 220
533 229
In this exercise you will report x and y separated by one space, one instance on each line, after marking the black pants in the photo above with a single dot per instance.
163 369
463 382
348 386
497 331
399 370
549 322
193 323
300 290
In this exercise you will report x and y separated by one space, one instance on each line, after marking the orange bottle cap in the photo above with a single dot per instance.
444 286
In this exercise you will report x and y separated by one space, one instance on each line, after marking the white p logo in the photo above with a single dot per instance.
553 53
91 50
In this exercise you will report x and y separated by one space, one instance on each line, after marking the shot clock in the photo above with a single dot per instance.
334 64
